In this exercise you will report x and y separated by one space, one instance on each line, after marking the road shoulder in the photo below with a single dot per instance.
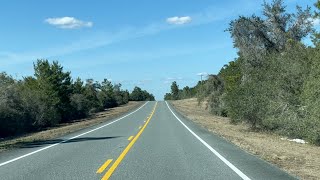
67 128
298 159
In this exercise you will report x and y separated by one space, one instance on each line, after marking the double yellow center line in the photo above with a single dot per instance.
104 166
125 151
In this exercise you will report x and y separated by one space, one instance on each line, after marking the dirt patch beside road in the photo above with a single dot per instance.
66 128
302 160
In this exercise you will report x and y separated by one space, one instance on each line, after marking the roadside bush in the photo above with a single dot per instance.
184 93
39 108
274 83
12 117
311 100
212 90
51 97
80 106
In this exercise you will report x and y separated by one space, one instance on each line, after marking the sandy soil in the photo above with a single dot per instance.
66 128
302 160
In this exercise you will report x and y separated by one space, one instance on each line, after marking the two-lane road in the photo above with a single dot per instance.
152 142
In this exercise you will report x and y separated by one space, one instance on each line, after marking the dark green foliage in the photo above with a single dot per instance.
51 97
274 83
91 90
174 91
79 102
167 96
231 76
270 81
40 105
271 72
56 84
212 90
311 98
140 95
184 93
80 106
268 93
11 110
106 95
121 97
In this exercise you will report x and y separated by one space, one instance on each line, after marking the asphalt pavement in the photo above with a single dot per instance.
152 142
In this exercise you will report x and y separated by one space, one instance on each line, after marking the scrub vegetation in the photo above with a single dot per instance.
300 160
274 83
52 97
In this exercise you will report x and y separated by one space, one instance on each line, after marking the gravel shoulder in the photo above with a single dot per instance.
302 160
63 129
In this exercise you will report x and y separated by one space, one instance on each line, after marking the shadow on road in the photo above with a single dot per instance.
62 141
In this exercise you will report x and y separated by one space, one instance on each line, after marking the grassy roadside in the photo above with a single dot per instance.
66 128
302 160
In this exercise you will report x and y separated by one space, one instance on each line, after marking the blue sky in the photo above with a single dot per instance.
145 43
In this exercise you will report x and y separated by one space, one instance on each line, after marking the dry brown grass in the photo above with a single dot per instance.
66 128
302 160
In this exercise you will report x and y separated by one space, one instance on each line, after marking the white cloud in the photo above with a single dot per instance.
68 22
179 20
105 38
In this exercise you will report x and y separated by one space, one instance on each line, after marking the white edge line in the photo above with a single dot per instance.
29 154
231 166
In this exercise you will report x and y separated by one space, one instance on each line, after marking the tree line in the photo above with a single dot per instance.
274 83
51 97
184 93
